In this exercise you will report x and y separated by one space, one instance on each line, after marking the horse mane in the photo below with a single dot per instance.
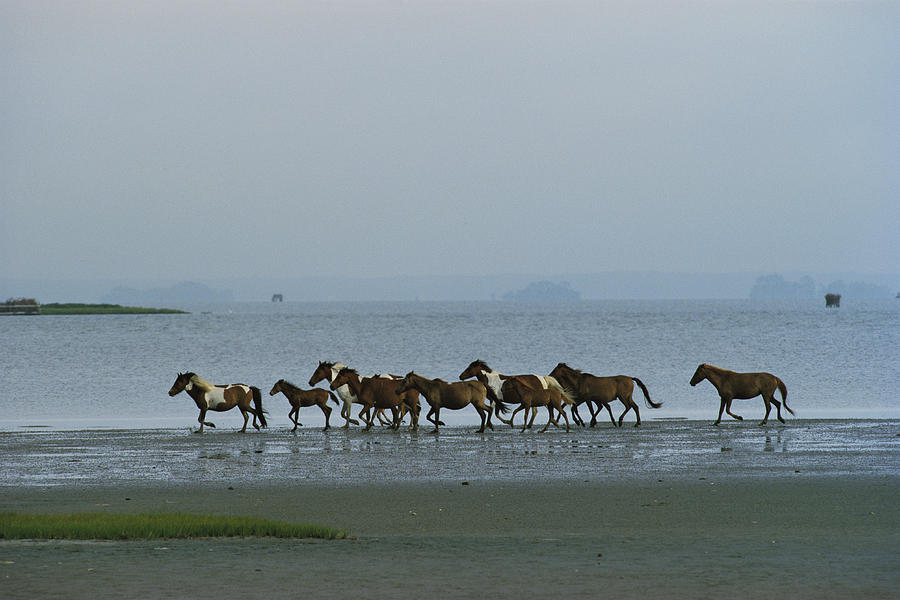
287 383
344 369
482 365
565 366
201 383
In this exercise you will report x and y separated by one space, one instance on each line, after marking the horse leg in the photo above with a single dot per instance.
777 407
293 416
481 414
528 413
512 417
246 416
576 417
345 412
768 404
437 418
728 410
327 410
722 402
200 419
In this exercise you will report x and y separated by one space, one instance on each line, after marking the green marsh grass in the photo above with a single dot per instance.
105 526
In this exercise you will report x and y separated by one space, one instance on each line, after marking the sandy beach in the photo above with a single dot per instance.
652 533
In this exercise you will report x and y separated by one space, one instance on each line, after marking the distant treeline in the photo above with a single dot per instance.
74 308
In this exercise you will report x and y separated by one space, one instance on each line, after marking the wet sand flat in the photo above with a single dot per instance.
726 516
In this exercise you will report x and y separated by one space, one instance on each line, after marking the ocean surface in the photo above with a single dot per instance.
114 372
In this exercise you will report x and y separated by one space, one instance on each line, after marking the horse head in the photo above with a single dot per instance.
474 368
181 382
406 383
276 388
323 371
345 376
699 374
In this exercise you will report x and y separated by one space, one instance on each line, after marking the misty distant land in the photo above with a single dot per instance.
515 288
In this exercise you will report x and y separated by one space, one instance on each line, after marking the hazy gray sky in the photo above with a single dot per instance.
214 139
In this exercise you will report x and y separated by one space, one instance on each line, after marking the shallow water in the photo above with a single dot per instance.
77 372
657 450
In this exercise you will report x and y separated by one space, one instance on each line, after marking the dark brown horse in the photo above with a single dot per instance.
741 386
454 396
378 393
529 399
302 398
220 398
493 383
602 391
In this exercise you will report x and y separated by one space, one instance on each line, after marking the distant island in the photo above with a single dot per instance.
30 306
543 291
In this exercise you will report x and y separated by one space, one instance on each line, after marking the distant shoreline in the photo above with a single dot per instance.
75 308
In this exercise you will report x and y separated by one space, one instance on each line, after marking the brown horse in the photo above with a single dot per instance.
302 398
454 396
329 370
515 391
602 391
494 381
741 386
378 393
220 398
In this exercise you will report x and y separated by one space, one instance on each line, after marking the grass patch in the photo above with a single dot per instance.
75 308
106 526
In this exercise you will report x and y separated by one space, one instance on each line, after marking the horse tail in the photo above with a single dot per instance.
334 398
568 395
647 399
783 389
257 402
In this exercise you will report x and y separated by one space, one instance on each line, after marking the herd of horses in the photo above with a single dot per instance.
391 398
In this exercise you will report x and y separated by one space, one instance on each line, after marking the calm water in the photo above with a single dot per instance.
77 372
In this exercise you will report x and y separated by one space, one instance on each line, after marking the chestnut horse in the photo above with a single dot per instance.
493 383
454 396
602 391
302 398
741 386
329 370
379 393
515 391
220 398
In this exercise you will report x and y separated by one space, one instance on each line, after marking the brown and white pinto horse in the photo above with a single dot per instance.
493 382
741 386
302 398
602 391
378 393
220 398
454 396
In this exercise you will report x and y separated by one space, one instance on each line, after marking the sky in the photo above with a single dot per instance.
190 140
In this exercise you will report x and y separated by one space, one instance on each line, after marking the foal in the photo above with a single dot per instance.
302 398
529 398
